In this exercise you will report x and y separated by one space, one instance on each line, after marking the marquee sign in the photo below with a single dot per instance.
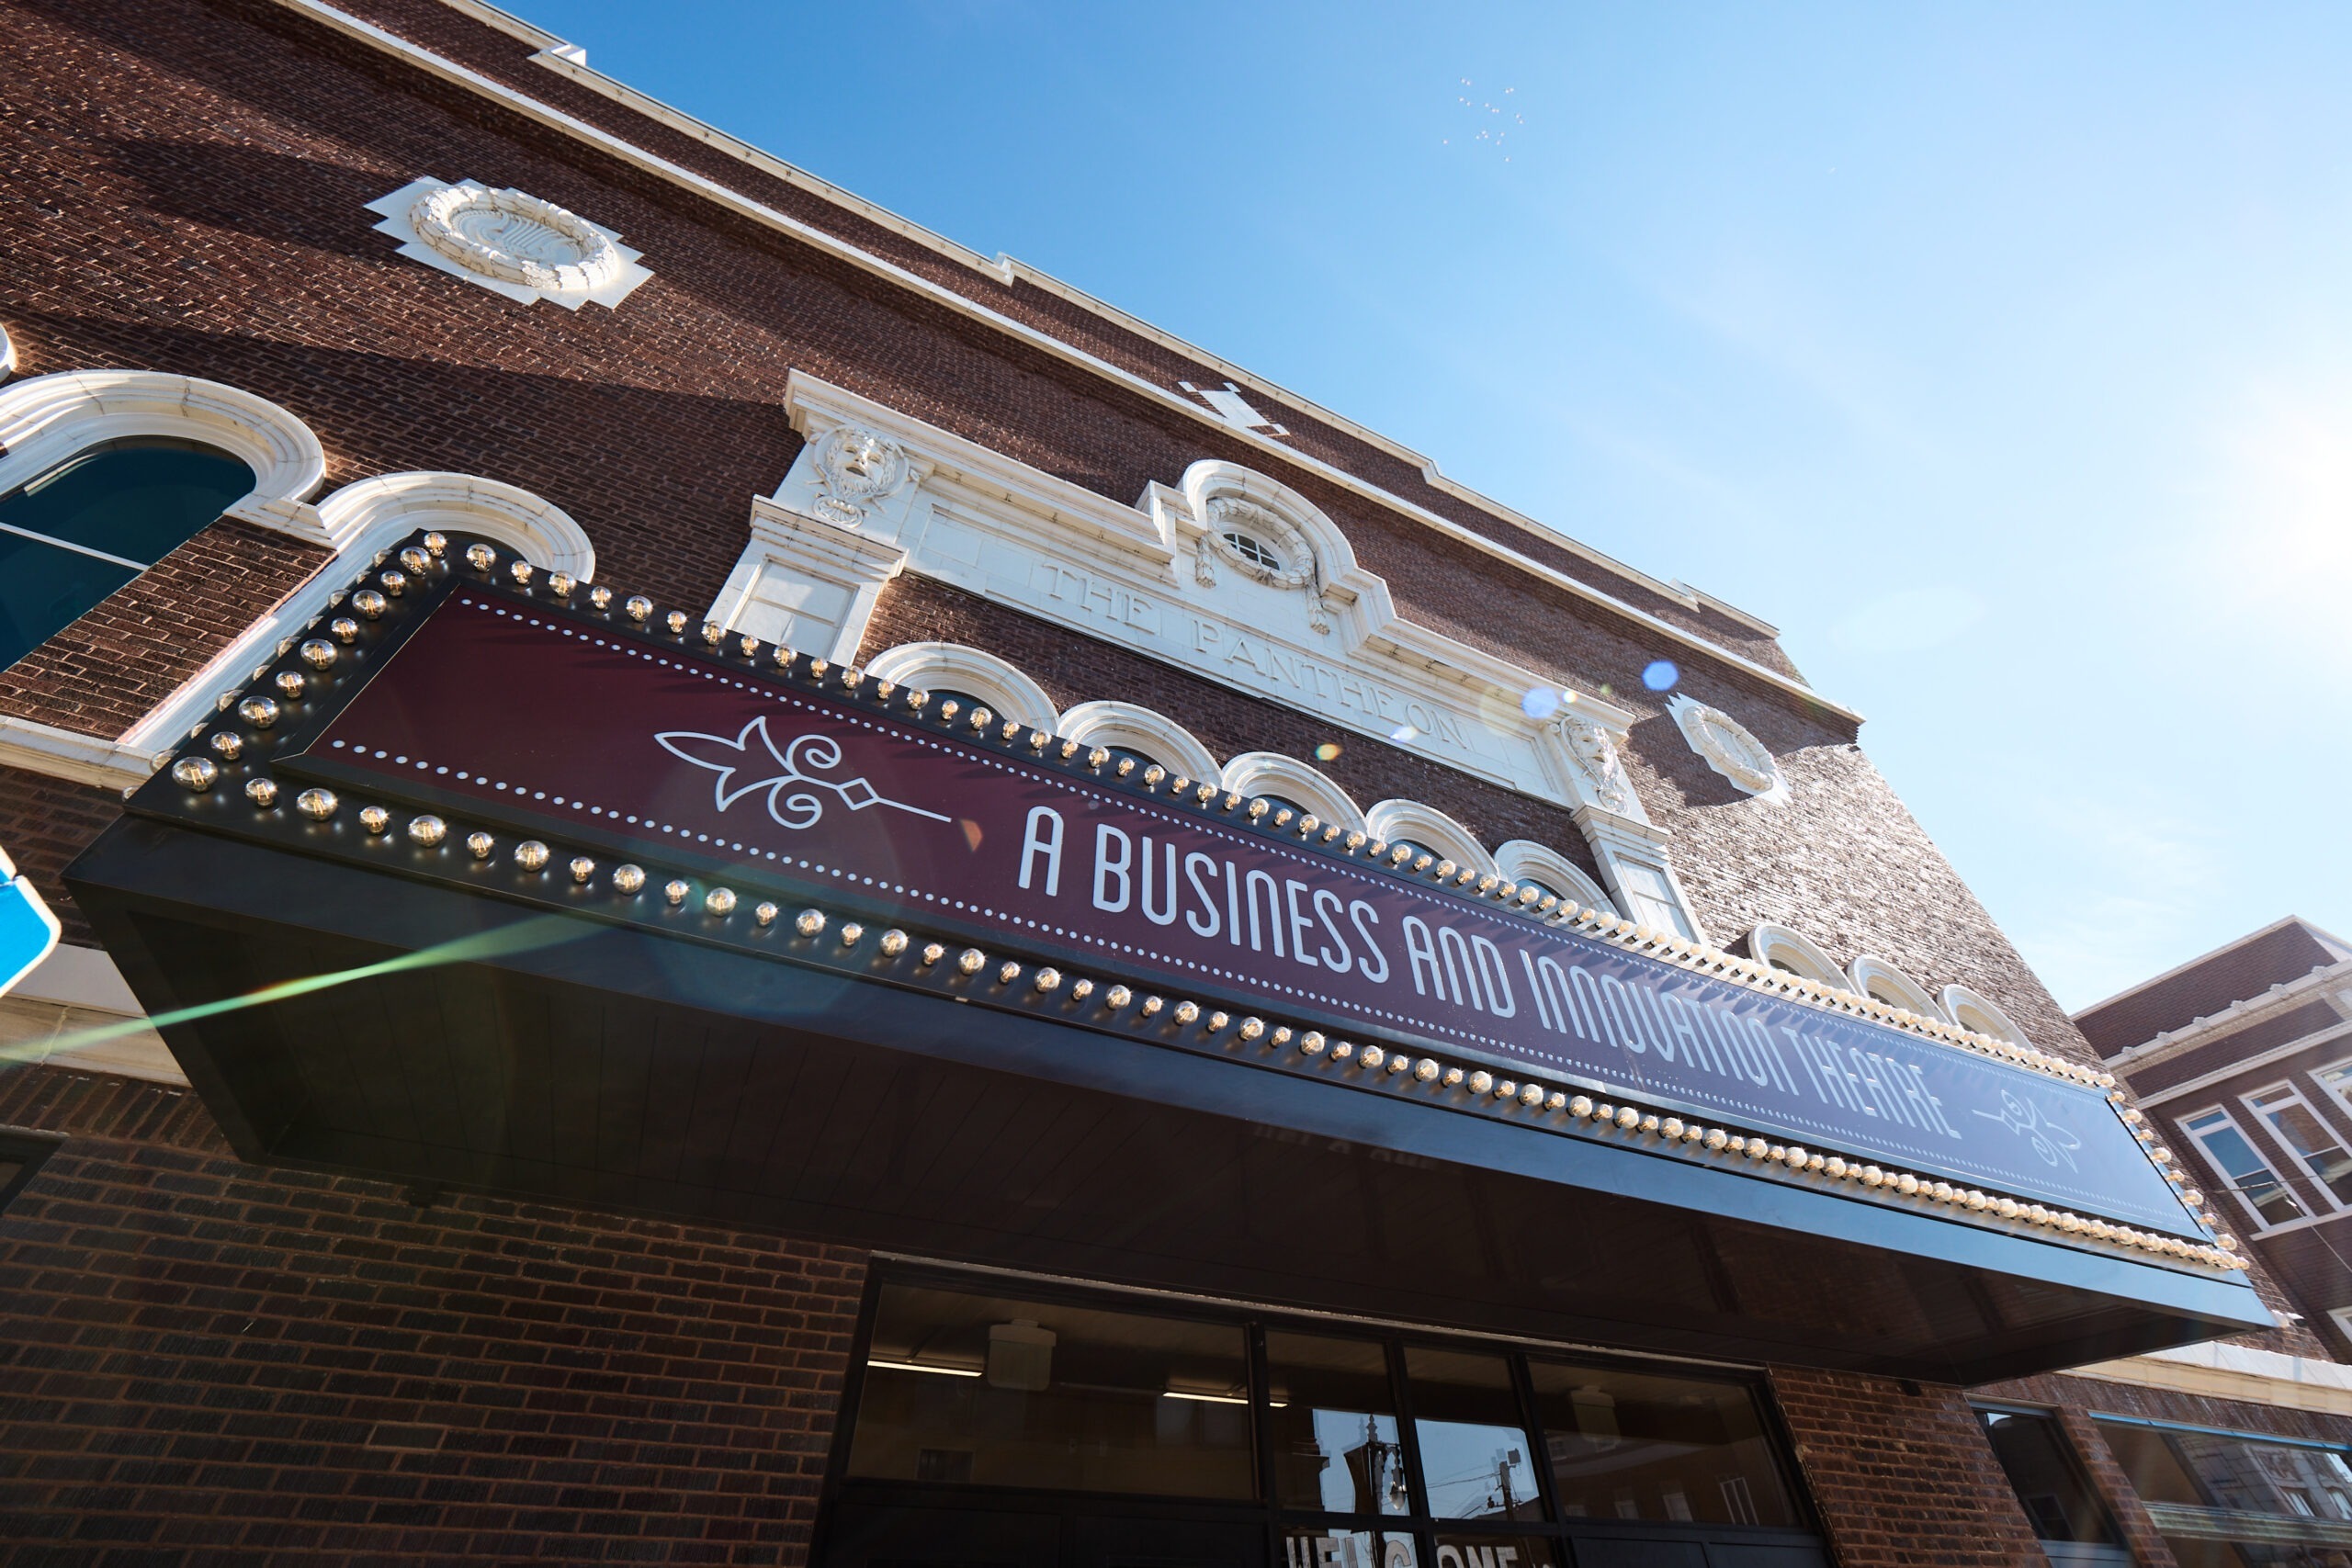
556 715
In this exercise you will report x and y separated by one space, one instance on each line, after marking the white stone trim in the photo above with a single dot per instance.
1270 772
952 666
1632 856
1138 728
370 513
1972 1010
1908 993
1524 860
83 759
989 525
936 293
1430 829
2218 1370
359 520
81 977
1767 943
583 262
44 420
806 584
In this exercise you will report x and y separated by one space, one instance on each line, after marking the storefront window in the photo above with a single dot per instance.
1001 1392
1626 1445
2233 1500
1348 1447
1476 1459
1334 1425
2049 1480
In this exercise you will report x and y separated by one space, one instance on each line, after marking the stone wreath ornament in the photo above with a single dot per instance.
518 238
1724 745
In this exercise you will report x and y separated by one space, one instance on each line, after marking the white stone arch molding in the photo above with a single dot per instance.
1270 772
360 519
1430 829
1784 949
1971 1010
1524 860
1316 559
1135 729
1874 976
46 419
955 667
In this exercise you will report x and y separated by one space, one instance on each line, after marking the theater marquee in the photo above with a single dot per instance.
538 708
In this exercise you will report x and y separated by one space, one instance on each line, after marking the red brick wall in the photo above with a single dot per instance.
44 823
1902 1478
262 1367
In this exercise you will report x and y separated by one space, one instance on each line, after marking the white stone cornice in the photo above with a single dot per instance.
82 758
2241 1065
2236 1016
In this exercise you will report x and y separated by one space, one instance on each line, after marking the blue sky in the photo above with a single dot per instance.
1997 352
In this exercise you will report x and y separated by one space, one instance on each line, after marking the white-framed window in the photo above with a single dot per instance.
2264 1195
2312 1141
2336 1080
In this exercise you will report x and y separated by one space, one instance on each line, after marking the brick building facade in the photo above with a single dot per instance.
237 1335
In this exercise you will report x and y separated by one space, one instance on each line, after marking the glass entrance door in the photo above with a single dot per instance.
998 1425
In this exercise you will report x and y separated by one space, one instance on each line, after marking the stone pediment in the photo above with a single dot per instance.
1225 573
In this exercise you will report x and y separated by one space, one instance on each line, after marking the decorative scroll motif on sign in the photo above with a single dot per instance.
858 468
791 800
1724 745
1595 750
511 235
2050 1141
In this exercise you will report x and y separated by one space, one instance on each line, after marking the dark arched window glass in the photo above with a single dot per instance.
97 520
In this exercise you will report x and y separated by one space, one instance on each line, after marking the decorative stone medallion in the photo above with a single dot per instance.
1724 745
856 468
510 243
1595 750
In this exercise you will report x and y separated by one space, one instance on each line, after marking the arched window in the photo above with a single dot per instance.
1532 864
1882 981
1972 1010
1138 732
1784 950
950 670
93 522
1294 783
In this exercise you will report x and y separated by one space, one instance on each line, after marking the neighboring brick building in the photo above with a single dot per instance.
492 1107
2244 1057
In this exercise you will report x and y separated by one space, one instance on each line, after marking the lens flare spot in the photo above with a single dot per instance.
1662 675
971 831
1540 701
1328 752
1404 735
